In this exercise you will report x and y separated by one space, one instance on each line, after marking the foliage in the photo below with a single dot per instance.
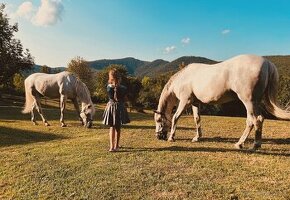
45 69
13 58
284 90
134 87
18 82
151 90
283 65
79 67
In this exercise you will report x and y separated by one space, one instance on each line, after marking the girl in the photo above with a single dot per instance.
115 113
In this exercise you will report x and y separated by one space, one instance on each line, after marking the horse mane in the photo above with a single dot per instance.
165 92
82 91
172 78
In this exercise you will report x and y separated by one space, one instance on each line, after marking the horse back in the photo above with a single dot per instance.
222 82
52 85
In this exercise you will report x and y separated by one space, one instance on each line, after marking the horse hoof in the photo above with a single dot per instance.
63 125
238 146
35 123
171 140
46 124
195 139
256 146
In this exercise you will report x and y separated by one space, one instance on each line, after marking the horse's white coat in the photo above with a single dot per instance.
63 85
249 78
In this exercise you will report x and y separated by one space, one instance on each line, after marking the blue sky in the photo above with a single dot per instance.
55 31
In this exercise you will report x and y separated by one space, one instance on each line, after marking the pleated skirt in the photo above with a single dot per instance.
115 114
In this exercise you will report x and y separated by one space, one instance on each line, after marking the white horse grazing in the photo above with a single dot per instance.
246 77
63 85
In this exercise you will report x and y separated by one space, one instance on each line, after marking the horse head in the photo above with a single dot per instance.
162 124
87 115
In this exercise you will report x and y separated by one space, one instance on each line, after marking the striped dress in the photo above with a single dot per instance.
116 113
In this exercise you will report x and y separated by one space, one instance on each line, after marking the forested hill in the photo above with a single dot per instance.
141 68
144 68
173 66
282 63
130 63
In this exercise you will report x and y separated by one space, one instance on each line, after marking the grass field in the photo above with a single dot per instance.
39 162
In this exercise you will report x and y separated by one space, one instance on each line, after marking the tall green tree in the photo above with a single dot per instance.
80 67
13 58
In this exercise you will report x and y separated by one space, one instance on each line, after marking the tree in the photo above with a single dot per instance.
151 90
18 82
80 67
45 69
13 59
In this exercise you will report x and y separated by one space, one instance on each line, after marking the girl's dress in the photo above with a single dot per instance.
116 113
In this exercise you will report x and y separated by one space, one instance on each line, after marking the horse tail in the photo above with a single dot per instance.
28 98
270 99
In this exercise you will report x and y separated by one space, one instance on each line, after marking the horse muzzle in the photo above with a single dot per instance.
161 135
89 124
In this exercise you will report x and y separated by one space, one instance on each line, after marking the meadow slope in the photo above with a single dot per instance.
39 162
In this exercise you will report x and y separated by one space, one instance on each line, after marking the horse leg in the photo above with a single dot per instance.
258 125
76 105
258 132
196 116
249 124
39 110
32 113
62 108
175 118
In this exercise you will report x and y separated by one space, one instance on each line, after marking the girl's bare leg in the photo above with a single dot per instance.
118 134
112 138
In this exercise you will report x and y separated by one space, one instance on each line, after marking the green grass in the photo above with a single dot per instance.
39 162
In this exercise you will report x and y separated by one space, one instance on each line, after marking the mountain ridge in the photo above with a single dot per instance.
140 68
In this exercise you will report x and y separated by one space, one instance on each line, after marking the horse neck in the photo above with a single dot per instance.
83 95
167 101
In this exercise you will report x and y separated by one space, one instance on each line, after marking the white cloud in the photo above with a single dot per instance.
169 49
49 13
25 10
185 41
226 31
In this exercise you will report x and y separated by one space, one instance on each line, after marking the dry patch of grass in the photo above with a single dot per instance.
39 162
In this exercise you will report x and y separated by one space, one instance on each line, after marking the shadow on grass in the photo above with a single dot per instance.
12 136
53 113
234 140
203 149
151 127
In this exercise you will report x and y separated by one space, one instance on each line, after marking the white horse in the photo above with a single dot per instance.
248 78
63 85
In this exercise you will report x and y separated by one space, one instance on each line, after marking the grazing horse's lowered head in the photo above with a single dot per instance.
162 125
87 114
